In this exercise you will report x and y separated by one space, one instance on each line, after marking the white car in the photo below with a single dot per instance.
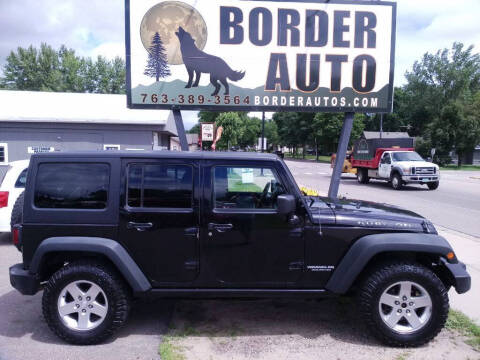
11 186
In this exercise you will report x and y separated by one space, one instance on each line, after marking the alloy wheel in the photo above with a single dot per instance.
405 307
82 305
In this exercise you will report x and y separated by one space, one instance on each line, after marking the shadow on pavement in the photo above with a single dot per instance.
22 315
5 239
310 319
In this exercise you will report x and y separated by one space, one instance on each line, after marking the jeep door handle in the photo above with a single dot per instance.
139 226
221 228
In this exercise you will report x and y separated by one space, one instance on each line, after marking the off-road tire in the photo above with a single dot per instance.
103 275
362 176
433 185
397 182
379 279
17 211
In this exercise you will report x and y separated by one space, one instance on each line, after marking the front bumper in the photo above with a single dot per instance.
460 277
420 179
23 281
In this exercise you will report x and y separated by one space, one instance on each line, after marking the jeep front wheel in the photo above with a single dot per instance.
403 304
85 302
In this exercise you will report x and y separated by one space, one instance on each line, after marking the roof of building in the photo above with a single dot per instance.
37 106
162 154
192 139
385 135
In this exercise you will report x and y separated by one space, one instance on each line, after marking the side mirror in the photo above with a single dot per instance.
286 204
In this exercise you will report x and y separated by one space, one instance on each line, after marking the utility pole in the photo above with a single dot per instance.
263 131
381 126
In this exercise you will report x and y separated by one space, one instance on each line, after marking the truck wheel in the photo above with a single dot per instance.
85 302
17 211
362 176
403 304
433 185
397 182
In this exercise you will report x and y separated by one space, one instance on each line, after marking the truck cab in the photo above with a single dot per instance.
407 167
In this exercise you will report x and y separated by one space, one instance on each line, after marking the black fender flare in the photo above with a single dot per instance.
115 252
365 248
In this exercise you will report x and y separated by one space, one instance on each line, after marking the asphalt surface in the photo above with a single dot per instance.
454 205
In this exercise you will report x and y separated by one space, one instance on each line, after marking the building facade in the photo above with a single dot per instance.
32 122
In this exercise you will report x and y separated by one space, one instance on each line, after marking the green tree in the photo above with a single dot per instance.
271 133
457 127
287 129
47 69
327 128
437 80
232 129
250 132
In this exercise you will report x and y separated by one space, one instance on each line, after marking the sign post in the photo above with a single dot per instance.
262 55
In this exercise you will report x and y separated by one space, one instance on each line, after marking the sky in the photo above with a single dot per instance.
95 28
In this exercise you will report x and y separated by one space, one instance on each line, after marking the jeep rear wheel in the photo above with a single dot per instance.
403 304
85 302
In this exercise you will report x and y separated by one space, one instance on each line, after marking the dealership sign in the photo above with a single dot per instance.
207 131
260 55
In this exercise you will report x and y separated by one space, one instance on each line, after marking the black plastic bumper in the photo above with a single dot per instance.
461 279
23 281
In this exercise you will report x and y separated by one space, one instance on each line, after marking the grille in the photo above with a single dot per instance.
424 171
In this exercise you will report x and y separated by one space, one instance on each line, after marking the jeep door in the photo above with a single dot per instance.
248 243
159 218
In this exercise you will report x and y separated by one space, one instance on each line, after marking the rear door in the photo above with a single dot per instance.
159 218
248 243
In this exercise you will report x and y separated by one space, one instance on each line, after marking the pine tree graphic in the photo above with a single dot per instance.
157 65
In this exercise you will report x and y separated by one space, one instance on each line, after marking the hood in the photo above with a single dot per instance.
416 163
368 214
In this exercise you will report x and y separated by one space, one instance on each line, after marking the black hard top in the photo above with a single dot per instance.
163 154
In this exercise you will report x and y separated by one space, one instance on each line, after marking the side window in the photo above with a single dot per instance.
72 186
388 160
160 186
22 179
246 188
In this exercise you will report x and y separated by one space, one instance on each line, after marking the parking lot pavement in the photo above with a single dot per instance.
24 334
211 329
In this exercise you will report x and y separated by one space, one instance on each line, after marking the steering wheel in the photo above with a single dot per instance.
264 195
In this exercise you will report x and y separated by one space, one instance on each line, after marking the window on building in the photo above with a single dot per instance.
72 186
111 147
3 153
246 188
160 186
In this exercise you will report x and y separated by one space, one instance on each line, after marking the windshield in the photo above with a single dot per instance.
406 156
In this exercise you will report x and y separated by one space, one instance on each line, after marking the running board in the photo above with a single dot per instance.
235 293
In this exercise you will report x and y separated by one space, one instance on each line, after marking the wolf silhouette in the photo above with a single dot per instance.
198 62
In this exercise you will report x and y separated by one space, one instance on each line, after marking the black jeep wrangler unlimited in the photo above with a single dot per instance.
99 229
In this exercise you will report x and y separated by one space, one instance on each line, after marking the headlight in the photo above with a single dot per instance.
407 170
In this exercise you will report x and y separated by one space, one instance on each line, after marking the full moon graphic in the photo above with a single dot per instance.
165 18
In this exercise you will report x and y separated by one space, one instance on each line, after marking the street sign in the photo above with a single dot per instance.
232 55
207 131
